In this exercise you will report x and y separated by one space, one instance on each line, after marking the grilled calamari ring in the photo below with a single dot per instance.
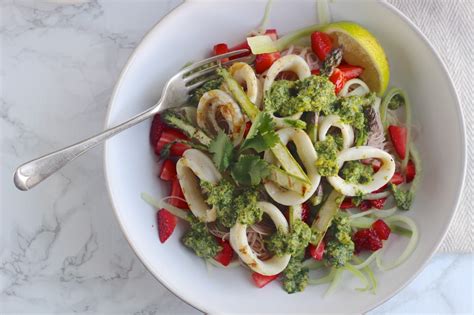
245 76
217 102
381 177
240 244
308 156
335 121
292 63
191 168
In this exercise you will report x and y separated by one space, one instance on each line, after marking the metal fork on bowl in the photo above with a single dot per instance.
175 91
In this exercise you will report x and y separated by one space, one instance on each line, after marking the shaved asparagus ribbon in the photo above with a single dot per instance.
161 204
324 16
410 246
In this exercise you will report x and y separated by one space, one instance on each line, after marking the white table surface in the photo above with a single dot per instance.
61 249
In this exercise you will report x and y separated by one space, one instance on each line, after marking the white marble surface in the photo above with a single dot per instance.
61 249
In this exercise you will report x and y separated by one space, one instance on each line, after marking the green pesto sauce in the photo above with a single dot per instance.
200 240
339 244
357 172
295 276
403 198
281 243
206 87
314 93
233 204
327 154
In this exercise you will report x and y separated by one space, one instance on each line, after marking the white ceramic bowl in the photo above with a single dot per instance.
188 33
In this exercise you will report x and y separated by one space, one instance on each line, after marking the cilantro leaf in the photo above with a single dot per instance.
222 149
250 170
262 135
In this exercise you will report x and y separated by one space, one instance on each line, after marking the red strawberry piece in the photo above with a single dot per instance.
366 239
166 224
378 203
168 170
411 171
317 252
157 127
321 44
305 212
262 280
365 205
226 254
176 192
338 78
381 229
399 139
346 204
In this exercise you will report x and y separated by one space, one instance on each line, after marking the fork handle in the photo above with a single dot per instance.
35 171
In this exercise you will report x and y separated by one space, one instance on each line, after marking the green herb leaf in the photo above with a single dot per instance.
262 135
223 150
250 170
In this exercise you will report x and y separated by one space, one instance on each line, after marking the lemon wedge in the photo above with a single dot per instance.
361 48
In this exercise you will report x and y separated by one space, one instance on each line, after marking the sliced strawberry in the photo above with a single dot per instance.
350 71
226 254
248 124
262 280
378 203
305 212
317 252
157 127
338 78
168 170
399 139
179 200
220 49
365 205
243 45
411 171
347 204
265 61
376 164
315 72
382 229
366 239
396 179
170 135
321 44
166 223
272 33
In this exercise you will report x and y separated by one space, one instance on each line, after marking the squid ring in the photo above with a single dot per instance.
335 121
193 166
308 156
243 73
217 101
293 63
240 244
381 177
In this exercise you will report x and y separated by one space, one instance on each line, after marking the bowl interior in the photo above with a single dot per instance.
189 33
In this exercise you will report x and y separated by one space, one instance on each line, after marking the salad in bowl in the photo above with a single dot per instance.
293 160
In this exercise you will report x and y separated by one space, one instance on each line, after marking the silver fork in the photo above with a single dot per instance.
175 91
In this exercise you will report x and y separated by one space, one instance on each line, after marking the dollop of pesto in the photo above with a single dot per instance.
327 155
357 172
206 87
200 240
339 244
233 204
281 243
295 276
314 93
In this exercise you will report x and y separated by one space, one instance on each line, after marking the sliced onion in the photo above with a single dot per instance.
410 246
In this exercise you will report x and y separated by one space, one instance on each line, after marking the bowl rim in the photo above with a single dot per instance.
459 111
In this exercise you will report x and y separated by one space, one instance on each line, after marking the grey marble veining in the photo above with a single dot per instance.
61 249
